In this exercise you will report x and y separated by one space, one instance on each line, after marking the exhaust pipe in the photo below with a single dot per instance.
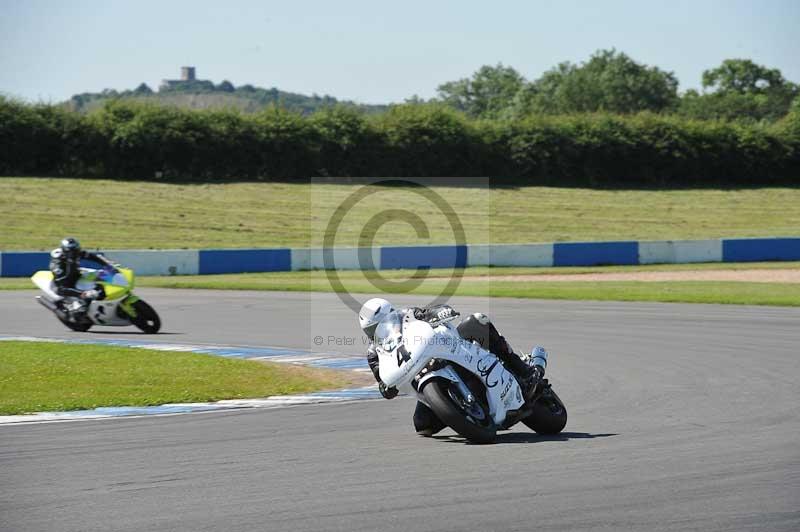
46 303
49 305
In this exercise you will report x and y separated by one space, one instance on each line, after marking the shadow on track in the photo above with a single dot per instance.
133 332
528 437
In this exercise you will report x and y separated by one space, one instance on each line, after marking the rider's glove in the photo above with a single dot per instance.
439 313
90 294
445 313
388 392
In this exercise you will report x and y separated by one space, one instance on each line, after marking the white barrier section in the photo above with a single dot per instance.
343 258
158 262
680 251
510 255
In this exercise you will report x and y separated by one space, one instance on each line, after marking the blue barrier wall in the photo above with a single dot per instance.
413 257
211 261
758 249
244 260
23 263
595 253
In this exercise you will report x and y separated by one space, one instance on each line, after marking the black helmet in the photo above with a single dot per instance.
71 247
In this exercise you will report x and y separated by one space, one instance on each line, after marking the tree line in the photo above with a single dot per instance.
611 81
134 140
204 94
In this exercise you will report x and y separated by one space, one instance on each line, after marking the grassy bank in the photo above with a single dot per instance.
143 215
38 377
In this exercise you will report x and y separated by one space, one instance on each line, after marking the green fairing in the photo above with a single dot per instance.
127 305
115 291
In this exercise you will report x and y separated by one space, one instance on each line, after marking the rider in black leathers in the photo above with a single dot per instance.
476 327
65 263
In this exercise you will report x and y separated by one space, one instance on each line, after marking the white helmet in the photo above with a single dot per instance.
372 313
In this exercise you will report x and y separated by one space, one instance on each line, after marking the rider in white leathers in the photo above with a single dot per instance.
476 327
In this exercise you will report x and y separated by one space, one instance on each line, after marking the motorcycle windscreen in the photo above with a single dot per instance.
88 279
128 275
115 283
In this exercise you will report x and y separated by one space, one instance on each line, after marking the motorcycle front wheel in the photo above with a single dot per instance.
146 318
469 420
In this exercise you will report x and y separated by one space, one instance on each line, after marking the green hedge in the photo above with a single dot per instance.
136 141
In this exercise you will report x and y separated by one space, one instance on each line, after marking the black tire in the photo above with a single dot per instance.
549 414
146 318
82 326
454 415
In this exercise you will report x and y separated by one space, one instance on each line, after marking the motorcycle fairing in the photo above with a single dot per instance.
106 313
422 343
116 284
44 281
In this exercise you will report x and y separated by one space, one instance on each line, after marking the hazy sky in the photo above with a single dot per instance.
367 50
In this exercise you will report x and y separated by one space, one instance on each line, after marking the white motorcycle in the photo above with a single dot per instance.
466 386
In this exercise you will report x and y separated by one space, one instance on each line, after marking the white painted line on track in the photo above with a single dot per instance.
278 401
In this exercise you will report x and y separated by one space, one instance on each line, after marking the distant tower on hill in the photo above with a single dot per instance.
188 76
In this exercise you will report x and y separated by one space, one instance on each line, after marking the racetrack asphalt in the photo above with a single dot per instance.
682 417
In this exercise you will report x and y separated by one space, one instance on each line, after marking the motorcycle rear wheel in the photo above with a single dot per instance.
146 318
82 326
456 415
549 414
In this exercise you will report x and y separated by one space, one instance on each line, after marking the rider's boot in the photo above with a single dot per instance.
528 369
76 310
533 378
61 310
426 423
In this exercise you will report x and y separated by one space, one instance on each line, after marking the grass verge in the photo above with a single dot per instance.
731 293
479 282
738 293
33 214
317 280
42 376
